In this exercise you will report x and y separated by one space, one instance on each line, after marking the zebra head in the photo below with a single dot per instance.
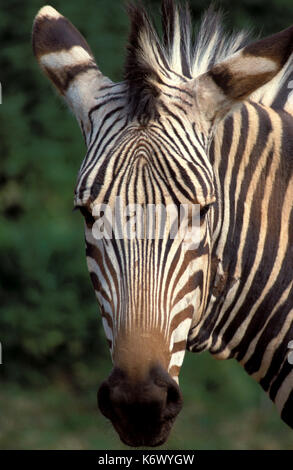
148 143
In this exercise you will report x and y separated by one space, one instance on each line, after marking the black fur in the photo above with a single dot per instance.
139 75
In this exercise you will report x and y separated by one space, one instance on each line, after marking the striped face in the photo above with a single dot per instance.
151 283
147 162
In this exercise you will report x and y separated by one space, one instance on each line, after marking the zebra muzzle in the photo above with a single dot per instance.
142 412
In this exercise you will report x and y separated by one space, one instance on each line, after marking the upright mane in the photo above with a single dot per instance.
181 54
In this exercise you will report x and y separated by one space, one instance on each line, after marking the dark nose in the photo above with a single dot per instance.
142 412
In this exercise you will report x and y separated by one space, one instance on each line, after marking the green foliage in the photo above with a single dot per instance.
49 325
48 309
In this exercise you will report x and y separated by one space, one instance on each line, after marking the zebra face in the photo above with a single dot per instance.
149 287
148 141
148 244
150 283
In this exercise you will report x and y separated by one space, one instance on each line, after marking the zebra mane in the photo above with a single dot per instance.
178 56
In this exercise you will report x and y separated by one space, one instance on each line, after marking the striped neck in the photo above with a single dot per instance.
249 311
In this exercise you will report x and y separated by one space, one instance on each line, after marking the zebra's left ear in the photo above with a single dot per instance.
66 58
234 79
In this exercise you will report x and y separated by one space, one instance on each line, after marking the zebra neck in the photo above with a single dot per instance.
249 313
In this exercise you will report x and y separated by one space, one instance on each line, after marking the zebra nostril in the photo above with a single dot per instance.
174 401
104 401
173 395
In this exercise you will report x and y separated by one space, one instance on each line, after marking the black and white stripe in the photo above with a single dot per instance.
209 124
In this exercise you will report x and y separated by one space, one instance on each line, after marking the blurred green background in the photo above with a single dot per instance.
54 351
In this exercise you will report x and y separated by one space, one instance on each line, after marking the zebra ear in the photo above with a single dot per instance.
234 79
64 55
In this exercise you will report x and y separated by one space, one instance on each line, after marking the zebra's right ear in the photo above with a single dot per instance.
233 80
64 55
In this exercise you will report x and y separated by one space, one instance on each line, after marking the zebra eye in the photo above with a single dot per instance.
204 210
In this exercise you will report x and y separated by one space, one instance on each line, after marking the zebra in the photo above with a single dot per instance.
206 123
